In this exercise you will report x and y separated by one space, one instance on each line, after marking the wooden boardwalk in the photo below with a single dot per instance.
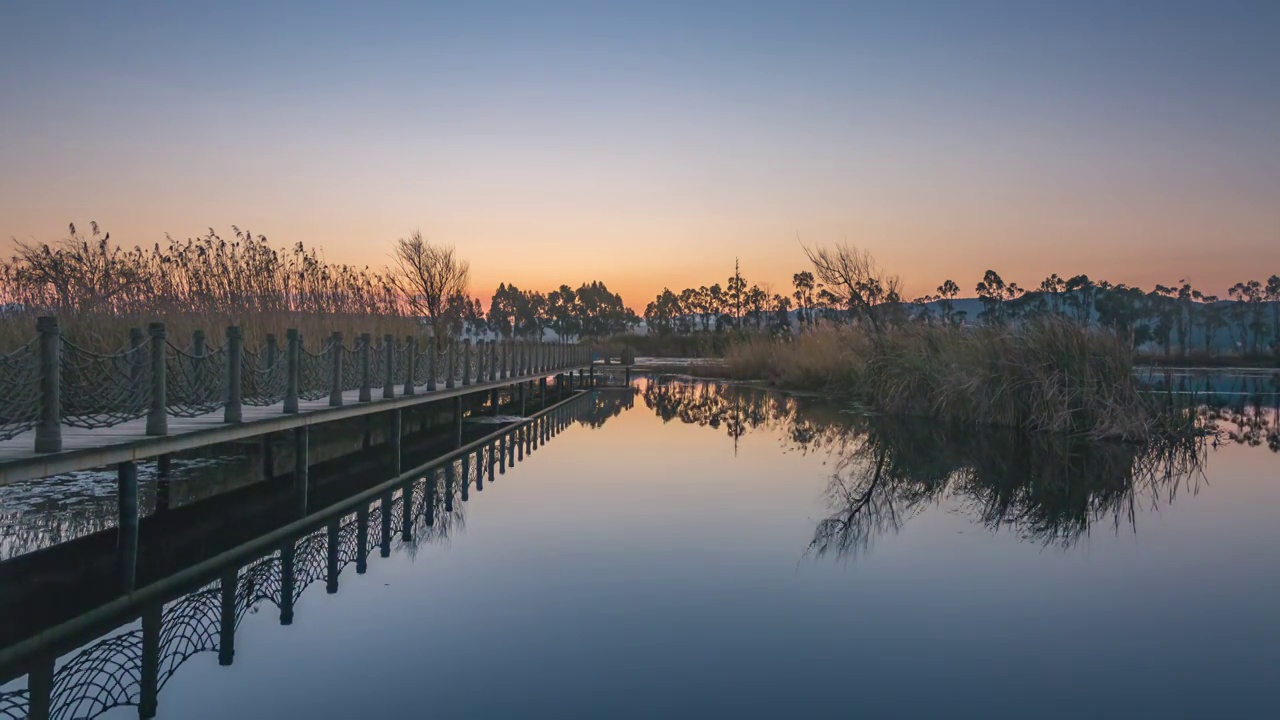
83 449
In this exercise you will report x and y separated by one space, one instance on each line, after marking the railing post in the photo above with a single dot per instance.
158 419
451 365
292 369
493 360
366 370
335 381
466 362
233 412
389 366
504 352
410 360
49 429
431 364
480 358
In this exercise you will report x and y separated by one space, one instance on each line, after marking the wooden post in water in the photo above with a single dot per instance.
542 393
301 462
152 622
232 413
158 418
397 432
335 378
127 524
493 401
410 361
366 368
227 618
49 429
293 369
163 469
457 421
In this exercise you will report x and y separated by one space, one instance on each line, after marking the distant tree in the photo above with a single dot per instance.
995 296
947 293
853 277
429 277
803 283
1052 287
1080 296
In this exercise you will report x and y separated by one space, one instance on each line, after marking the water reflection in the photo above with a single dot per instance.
133 662
1046 489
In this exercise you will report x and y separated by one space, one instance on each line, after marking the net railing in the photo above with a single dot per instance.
264 376
100 390
195 381
19 390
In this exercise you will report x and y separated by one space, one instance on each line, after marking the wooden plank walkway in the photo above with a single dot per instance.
83 449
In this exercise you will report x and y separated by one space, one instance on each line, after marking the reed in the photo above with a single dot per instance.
99 290
1044 376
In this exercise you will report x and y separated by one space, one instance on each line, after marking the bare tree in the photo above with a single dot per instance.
853 276
428 275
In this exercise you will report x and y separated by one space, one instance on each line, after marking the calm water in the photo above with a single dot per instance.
714 552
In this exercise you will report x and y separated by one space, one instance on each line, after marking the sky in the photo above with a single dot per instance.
650 144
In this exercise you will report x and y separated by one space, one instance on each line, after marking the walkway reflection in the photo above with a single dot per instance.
82 677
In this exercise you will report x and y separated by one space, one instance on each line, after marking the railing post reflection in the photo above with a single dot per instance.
493 458
331 558
429 497
480 470
406 517
286 582
466 477
227 621
502 456
384 539
448 487
362 539
40 687
152 619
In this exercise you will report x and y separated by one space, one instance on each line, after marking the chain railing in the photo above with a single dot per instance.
51 382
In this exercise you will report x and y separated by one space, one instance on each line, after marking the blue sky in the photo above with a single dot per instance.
1133 141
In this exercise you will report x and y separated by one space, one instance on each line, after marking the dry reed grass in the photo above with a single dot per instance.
1047 376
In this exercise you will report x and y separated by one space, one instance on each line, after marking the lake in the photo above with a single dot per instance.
698 549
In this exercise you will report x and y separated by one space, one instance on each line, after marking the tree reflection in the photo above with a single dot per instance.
1048 489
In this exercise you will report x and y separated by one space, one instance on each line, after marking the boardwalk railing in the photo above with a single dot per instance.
51 382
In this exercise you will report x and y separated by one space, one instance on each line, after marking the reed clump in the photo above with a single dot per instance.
98 290
1044 376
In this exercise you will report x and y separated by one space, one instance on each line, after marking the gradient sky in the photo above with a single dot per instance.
648 144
